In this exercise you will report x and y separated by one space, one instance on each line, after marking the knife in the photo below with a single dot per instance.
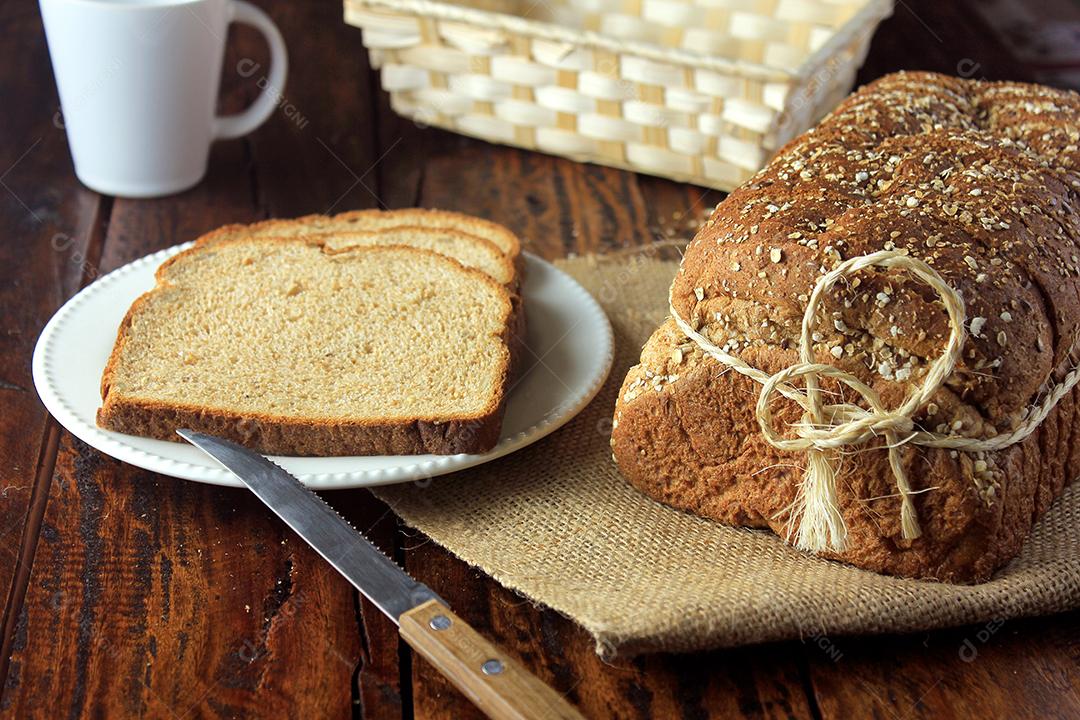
497 684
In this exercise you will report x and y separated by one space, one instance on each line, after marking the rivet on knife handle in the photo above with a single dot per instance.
493 681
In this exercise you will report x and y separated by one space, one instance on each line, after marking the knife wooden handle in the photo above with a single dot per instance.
497 684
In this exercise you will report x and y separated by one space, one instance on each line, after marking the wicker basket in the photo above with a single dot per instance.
702 92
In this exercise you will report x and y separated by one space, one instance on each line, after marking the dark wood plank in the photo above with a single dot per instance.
377 683
675 211
154 596
1017 668
318 154
48 225
157 596
556 206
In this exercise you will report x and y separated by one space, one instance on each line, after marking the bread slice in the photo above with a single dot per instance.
377 220
494 233
454 234
289 347
469 250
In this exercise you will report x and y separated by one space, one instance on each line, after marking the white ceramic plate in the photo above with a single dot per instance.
570 353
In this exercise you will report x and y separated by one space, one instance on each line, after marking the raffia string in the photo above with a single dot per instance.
827 428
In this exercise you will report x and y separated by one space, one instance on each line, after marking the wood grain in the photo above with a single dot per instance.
1016 668
153 596
945 37
318 154
493 680
554 205
377 683
160 597
49 237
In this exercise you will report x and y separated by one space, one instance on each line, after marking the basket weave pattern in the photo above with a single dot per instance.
701 92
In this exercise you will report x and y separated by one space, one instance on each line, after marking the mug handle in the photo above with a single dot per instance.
228 127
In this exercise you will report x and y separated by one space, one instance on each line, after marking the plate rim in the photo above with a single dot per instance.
112 444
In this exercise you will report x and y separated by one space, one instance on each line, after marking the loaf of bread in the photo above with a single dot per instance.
976 182
293 347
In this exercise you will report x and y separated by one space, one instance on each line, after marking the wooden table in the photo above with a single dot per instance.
129 593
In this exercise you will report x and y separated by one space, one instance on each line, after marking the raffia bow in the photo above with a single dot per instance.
827 428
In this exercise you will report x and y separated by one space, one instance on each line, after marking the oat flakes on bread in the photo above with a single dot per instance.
977 179
290 348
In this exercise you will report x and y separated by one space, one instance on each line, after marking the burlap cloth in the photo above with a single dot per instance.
557 523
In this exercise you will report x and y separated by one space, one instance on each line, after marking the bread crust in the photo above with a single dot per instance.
976 179
507 274
432 217
312 436
309 437
509 244
695 444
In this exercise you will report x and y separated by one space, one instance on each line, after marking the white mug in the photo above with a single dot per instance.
138 83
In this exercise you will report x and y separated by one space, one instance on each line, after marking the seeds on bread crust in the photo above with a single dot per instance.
976 179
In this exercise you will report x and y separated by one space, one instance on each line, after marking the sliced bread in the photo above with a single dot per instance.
469 250
290 348
368 220
453 234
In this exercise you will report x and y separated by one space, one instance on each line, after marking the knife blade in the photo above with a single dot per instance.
375 575
495 682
